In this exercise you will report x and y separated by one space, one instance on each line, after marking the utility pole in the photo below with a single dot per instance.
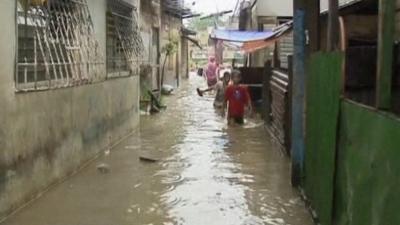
306 41
218 46
245 21
298 92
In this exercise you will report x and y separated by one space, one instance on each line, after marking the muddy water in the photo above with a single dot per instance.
208 174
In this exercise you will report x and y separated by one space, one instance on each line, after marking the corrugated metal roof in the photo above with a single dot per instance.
176 8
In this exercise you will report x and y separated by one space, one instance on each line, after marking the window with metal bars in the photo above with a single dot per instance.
56 46
124 42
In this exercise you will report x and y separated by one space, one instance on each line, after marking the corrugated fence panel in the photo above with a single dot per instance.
279 127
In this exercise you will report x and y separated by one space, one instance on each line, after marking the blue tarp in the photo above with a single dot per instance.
241 36
250 41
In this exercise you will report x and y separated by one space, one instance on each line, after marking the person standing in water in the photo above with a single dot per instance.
211 72
220 90
237 98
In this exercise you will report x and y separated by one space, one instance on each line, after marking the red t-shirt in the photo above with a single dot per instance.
237 97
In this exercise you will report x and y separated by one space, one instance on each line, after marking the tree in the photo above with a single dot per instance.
169 49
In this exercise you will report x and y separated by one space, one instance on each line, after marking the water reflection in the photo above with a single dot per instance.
225 175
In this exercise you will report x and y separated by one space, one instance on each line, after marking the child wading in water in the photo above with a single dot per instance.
220 90
237 98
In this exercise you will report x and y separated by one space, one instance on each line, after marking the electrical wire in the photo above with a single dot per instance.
234 12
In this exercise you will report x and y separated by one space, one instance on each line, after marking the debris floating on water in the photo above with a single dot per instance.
103 168
137 185
167 89
148 159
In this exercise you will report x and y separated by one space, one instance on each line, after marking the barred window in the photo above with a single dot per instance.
56 45
124 42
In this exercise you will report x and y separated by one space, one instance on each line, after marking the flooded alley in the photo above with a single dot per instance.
206 174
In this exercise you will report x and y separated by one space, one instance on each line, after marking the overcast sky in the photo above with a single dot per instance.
211 6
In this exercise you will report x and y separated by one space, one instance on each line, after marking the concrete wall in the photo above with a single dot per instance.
324 4
46 135
150 20
275 8
170 27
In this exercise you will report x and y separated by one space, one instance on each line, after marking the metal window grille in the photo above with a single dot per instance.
124 42
56 45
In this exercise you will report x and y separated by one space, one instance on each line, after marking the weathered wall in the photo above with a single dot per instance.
352 170
149 20
275 8
368 177
170 29
46 135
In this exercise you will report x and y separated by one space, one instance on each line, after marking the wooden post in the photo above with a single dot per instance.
306 41
312 13
385 53
267 93
289 104
333 25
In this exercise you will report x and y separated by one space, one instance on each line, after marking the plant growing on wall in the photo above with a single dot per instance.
169 49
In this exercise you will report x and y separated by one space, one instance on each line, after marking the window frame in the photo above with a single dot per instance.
70 53
119 15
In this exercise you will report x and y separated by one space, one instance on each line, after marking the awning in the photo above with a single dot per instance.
240 36
251 41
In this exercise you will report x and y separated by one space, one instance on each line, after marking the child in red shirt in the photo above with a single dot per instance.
238 97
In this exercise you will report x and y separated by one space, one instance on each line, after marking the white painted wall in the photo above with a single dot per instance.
325 3
274 8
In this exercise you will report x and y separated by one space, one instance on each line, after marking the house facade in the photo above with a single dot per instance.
162 24
348 168
266 15
69 88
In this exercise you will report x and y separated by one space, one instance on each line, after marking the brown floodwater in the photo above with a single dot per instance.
207 174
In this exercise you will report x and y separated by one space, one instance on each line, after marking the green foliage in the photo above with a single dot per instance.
198 24
170 48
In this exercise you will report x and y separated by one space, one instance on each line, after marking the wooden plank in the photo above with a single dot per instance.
266 93
333 25
322 108
385 53
312 10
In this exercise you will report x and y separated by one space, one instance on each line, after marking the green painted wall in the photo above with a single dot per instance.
368 168
322 110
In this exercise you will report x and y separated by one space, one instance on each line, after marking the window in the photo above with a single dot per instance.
363 77
124 42
56 45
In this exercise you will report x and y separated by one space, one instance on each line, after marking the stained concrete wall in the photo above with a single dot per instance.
170 29
46 135
150 20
